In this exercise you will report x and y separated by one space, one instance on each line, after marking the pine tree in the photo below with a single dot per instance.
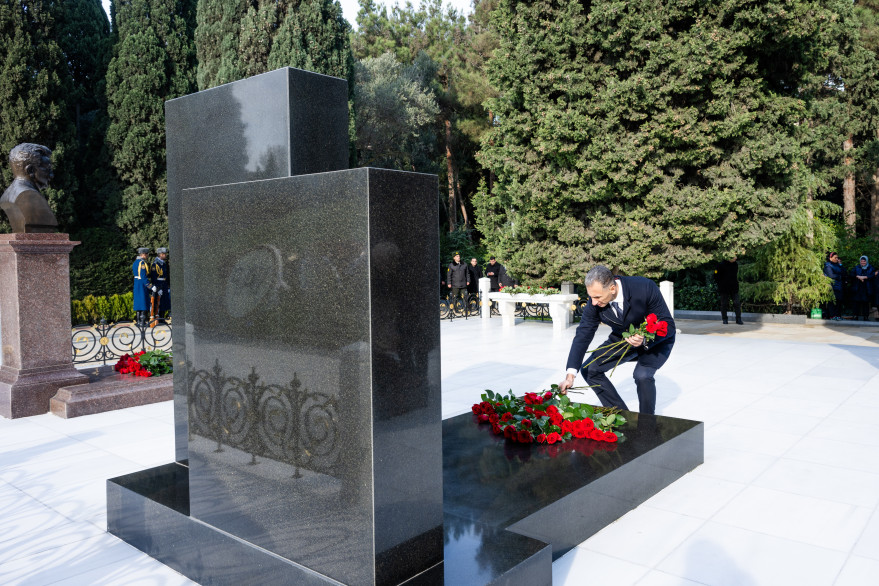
441 34
650 137
154 61
34 87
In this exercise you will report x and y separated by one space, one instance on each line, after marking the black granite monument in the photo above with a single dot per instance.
310 446
307 387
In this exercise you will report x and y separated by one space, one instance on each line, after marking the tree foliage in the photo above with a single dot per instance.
650 137
789 271
153 61
395 110
35 84
240 38
457 51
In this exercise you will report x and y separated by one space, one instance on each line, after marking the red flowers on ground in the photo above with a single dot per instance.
546 418
130 365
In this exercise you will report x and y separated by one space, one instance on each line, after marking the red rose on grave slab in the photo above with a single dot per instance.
541 439
596 434
540 414
494 418
588 423
506 416
482 418
547 396
476 408
496 429
552 409
524 437
566 426
610 436
553 438
526 423
509 432
556 418
579 430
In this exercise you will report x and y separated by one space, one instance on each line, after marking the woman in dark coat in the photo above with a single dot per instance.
863 276
833 268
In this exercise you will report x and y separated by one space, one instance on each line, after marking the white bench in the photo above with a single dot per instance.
560 307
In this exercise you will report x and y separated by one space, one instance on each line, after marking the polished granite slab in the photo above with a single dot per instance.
509 509
278 124
559 494
314 396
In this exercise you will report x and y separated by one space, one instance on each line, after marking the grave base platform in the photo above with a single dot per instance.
509 509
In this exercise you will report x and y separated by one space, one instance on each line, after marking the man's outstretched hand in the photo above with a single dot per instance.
566 384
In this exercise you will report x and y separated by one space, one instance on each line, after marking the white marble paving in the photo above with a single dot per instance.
788 494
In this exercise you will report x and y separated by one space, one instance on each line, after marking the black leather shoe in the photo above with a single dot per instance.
725 322
740 322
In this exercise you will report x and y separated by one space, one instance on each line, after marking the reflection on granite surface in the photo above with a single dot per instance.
314 402
282 422
266 126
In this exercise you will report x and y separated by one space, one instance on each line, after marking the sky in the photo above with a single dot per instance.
350 7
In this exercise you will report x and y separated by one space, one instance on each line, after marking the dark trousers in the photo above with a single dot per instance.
724 305
648 363
834 308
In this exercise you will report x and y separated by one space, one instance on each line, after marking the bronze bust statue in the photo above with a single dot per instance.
23 201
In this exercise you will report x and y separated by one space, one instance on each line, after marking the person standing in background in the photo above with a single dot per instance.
160 276
475 275
493 271
726 275
863 276
457 277
833 268
142 286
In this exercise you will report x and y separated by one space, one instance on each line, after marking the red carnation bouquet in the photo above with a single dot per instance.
547 418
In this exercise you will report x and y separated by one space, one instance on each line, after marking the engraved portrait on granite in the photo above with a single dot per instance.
23 201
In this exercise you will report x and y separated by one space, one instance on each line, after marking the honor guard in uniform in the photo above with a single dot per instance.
160 275
142 286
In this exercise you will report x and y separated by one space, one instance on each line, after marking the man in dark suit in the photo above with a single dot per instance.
620 302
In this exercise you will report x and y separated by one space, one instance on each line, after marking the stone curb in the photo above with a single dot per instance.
778 318
111 393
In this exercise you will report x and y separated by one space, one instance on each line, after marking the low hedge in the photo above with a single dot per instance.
91 309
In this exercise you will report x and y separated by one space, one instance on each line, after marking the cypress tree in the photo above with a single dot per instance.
314 36
154 61
84 38
649 137
216 41
34 86
237 39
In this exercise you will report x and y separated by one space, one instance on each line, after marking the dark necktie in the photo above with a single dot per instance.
616 309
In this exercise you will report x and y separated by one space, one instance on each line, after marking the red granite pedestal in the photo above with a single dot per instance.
34 322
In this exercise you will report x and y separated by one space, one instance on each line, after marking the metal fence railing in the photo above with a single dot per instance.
105 343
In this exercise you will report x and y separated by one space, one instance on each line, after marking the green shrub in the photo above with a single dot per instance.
100 264
91 309
697 297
